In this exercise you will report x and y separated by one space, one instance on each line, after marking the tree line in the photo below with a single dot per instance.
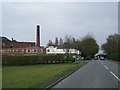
112 44
111 47
56 42
88 45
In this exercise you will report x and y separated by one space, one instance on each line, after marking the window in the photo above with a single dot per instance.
17 50
41 50
22 50
13 51
9 51
28 50
48 50
34 50
4 51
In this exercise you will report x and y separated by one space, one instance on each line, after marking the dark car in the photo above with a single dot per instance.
102 58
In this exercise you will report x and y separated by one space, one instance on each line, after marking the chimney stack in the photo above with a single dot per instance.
38 36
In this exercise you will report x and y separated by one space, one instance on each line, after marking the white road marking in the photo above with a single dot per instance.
111 72
105 67
114 75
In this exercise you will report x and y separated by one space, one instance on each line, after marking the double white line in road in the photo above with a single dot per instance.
111 72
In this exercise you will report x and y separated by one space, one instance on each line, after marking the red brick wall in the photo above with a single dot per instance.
26 50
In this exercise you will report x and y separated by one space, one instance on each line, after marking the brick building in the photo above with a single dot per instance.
13 47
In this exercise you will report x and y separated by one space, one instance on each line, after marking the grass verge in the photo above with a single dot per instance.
35 76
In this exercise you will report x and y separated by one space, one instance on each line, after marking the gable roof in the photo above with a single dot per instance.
4 39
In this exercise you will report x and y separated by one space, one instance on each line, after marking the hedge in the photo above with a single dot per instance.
38 59
115 56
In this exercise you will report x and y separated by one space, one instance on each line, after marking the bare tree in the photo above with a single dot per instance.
60 41
56 41
68 39
50 43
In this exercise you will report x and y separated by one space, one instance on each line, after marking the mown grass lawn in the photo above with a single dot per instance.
35 76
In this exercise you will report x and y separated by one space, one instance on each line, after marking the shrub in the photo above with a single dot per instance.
38 59
115 56
87 58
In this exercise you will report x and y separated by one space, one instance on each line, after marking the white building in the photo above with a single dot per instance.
57 50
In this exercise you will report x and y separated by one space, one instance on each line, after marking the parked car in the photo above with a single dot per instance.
77 60
82 58
102 58
96 58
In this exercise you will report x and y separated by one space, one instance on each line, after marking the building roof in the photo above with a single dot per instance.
53 46
6 43
4 39
31 43
66 46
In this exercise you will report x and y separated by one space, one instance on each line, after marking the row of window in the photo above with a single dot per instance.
48 50
33 50
27 50
9 51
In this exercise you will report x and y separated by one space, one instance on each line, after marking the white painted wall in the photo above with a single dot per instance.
54 50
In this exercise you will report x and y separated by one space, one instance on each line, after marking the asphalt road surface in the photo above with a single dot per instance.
95 74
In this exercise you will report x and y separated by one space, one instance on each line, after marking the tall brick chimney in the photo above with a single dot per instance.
38 36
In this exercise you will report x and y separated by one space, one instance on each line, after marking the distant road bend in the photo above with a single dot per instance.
95 74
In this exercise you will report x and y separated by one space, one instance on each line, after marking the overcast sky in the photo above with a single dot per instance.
58 19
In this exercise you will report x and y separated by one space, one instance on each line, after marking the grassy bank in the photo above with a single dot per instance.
35 76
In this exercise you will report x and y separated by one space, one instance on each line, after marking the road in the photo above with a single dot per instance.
95 74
